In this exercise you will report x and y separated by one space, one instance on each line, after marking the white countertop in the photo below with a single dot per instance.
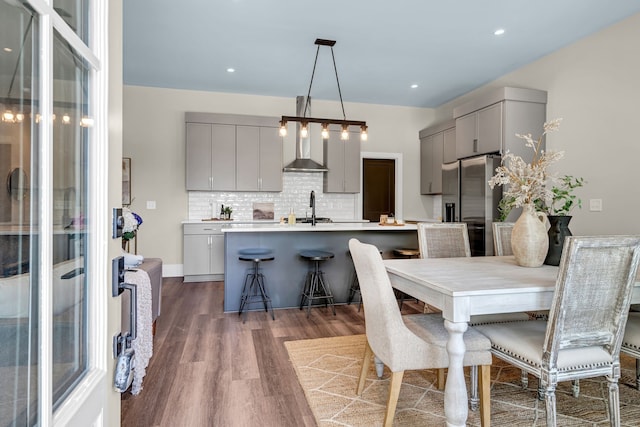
335 226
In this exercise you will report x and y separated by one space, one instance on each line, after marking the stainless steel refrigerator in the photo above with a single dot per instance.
478 202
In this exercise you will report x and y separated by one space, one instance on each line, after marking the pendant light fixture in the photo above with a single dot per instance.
305 121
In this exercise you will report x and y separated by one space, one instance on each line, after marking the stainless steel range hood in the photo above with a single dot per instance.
303 162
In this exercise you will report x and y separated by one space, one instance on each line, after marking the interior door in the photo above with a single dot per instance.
378 188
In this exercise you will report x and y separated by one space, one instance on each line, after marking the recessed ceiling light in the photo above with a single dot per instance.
231 70
413 86
8 49
498 32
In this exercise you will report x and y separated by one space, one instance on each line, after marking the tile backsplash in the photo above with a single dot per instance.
296 189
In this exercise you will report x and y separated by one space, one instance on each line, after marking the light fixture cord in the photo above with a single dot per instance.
335 69
306 101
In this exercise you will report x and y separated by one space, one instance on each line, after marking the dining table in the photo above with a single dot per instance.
468 286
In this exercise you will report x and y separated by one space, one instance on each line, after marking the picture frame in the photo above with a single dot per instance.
126 181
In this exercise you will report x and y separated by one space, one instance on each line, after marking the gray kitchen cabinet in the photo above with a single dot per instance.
227 152
449 145
203 252
259 159
488 124
435 141
211 156
342 158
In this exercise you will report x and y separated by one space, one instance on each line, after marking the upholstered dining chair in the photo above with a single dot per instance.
631 341
410 342
502 238
583 335
451 240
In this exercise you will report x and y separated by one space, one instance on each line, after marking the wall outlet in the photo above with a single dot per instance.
151 204
595 205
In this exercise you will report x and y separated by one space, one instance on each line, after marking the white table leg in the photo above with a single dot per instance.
455 390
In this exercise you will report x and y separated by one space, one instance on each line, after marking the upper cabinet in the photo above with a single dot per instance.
342 158
437 146
489 123
227 152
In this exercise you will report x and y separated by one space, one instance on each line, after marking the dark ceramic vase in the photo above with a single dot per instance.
557 232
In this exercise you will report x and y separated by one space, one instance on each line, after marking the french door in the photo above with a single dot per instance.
53 216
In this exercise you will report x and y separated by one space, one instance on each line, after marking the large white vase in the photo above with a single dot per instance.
529 240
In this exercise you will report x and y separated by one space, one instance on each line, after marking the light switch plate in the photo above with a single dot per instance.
595 205
151 204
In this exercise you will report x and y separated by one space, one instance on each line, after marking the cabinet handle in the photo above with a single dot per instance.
430 187
475 145
260 183
210 182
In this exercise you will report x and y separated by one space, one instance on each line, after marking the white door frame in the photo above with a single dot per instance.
398 177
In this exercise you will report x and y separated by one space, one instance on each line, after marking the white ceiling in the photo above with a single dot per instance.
446 47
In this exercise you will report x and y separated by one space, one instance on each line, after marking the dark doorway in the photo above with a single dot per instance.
378 188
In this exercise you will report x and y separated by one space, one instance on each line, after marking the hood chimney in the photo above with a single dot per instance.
303 162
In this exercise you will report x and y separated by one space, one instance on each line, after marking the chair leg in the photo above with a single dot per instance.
365 368
638 374
379 366
524 379
550 404
614 402
485 395
392 402
473 395
440 379
575 388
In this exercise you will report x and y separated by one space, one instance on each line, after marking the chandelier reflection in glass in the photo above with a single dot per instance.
305 121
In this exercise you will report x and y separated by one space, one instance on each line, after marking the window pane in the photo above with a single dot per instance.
70 208
19 231
76 14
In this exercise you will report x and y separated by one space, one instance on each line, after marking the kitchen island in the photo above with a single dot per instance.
285 275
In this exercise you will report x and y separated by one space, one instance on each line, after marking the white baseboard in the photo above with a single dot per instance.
172 270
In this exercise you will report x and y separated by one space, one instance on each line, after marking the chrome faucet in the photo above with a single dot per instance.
312 205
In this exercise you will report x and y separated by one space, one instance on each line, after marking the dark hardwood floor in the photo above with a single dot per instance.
210 369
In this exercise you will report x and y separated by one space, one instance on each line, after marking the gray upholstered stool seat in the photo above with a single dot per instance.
254 290
316 286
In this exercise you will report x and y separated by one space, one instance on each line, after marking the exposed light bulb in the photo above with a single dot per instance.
66 119
363 134
283 129
325 131
345 134
86 122
8 116
304 132
19 117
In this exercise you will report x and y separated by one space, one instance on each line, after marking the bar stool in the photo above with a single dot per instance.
254 290
405 253
315 286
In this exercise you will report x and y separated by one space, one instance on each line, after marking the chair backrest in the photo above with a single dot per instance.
502 238
593 294
443 240
383 322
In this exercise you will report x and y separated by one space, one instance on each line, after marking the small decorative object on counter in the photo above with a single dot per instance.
227 212
383 219
221 211
292 217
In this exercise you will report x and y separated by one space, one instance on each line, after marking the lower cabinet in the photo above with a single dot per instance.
203 252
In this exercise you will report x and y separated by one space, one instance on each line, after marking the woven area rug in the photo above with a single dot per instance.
328 370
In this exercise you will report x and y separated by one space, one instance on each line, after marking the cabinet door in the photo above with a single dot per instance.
466 135
196 254
436 162
426 166
223 159
270 159
248 158
217 254
352 163
198 165
449 146
334 161
490 129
